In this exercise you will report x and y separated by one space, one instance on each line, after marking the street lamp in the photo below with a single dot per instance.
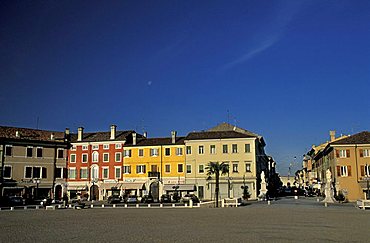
175 187
37 181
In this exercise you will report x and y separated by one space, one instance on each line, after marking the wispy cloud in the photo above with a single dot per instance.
270 35
253 52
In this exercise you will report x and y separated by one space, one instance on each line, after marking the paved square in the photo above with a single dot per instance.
285 220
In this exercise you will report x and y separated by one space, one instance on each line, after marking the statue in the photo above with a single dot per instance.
329 190
263 190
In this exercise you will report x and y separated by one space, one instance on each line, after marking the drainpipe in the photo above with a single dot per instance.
55 168
356 163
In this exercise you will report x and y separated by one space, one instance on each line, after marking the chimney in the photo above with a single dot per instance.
134 138
145 134
113 132
173 136
80 134
17 134
332 136
52 136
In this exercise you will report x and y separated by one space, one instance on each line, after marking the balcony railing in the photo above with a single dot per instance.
154 174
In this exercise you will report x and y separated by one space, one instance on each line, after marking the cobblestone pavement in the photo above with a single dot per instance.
285 220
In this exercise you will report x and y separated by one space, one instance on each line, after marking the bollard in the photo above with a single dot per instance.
25 207
149 205
161 205
173 205
296 197
103 206
92 206
268 202
191 203
137 205
59 206
326 204
37 206
236 202
11 208
222 203
114 205
125 205
198 205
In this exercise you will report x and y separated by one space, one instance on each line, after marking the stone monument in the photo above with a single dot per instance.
329 190
263 190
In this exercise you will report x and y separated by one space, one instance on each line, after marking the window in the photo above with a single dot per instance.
59 173
118 157
212 149
153 168
7 172
95 157
106 146
44 172
167 168
127 169
118 146
28 172
366 152
367 170
39 152
234 148
117 172
29 151
95 147
73 158
73 148
127 153
84 147
167 151
178 151
180 168
105 172
344 171
247 148
188 149
342 153
188 169
106 157
201 149
60 153
154 152
140 169
201 168
72 173
225 148
84 173
36 171
248 167
141 152
235 167
94 172
8 150
84 158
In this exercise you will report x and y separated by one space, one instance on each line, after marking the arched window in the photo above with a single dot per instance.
95 157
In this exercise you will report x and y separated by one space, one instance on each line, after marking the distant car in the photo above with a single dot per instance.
14 201
114 199
147 199
165 198
131 199
189 197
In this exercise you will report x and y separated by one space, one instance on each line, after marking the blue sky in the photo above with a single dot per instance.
287 70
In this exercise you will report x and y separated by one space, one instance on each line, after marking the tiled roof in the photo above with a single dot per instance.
216 135
29 134
359 138
228 127
158 141
101 136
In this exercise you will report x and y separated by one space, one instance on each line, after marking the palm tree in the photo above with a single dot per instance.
215 168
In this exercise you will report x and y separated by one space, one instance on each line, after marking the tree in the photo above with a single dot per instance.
215 168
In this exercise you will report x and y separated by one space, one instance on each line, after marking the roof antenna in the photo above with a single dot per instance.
228 116
37 123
